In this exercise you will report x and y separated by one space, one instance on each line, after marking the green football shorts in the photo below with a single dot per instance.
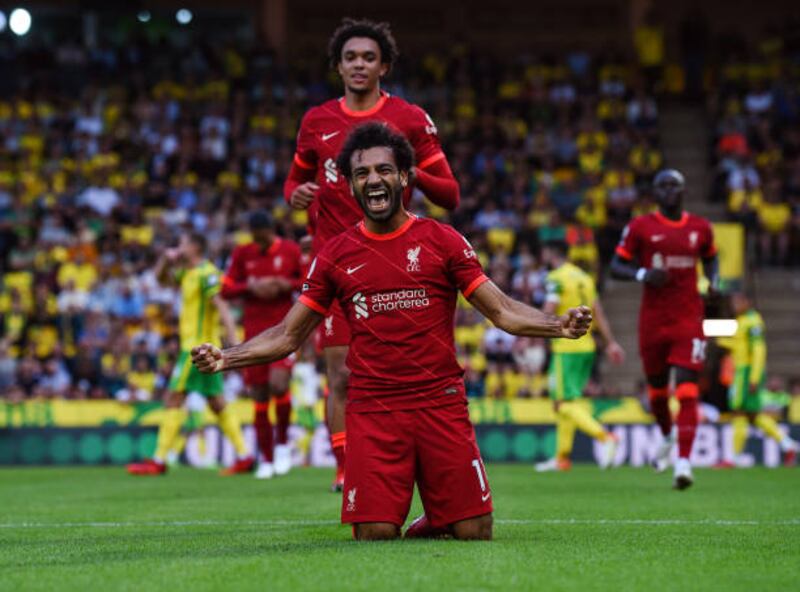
188 379
568 374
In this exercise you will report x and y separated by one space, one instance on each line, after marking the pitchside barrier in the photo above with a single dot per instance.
108 432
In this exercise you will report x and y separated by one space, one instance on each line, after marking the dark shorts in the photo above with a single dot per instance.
334 330
388 451
682 345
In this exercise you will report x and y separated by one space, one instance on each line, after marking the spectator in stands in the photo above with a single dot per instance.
774 219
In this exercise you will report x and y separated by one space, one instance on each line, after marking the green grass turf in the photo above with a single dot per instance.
583 530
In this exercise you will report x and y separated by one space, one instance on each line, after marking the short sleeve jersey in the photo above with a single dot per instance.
282 259
199 318
569 286
677 246
322 134
398 292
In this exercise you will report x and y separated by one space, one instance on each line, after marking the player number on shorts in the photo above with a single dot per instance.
698 350
479 469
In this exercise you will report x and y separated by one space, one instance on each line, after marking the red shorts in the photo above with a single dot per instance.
662 346
387 451
259 375
334 330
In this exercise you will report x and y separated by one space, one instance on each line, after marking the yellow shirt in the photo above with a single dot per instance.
84 275
569 286
747 345
774 217
199 318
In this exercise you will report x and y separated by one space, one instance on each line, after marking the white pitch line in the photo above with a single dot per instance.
501 521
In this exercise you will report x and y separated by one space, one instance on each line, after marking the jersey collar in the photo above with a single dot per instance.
371 111
674 223
394 234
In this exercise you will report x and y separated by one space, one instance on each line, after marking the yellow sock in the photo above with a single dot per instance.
229 424
585 422
769 426
740 428
168 431
565 435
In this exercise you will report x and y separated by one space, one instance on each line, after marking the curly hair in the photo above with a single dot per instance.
371 135
380 33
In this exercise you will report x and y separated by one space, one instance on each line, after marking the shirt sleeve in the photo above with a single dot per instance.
553 289
211 283
305 155
463 267
318 290
630 242
424 137
234 282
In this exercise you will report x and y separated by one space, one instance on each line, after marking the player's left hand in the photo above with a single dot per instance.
615 353
208 358
576 322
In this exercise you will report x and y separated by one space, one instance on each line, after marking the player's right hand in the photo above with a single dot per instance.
575 322
303 195
208 358
656 277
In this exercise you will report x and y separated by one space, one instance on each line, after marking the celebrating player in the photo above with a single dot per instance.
749 350
661 251
362 52
571 361
396 278
202 309
264 273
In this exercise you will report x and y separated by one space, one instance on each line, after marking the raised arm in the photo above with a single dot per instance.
520 319
273 344
164 264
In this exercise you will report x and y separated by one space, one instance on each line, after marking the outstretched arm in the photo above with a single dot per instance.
520 319
273 344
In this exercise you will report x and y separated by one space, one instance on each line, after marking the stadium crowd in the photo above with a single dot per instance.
107 155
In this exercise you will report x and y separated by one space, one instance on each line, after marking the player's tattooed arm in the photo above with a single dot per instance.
627 269
520 319
273 344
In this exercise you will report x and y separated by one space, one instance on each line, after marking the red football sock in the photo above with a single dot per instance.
263 430
283 413
687 393
338 442
659 406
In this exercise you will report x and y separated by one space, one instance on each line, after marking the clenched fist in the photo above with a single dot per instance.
576 322
208 358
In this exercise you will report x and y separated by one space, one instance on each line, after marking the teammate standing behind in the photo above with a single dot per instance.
362 52
661 250
571 361
202 309
749 350
264 273
407 414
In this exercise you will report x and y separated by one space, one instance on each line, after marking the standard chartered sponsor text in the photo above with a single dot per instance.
399 300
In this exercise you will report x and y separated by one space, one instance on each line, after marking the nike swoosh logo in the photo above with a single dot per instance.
326 137
352 270
486 497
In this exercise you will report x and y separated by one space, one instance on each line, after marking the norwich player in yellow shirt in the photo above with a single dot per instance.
202 309
571 363
749 350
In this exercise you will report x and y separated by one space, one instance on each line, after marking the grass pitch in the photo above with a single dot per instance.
97 528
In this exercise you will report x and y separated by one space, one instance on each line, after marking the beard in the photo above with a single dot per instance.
380 208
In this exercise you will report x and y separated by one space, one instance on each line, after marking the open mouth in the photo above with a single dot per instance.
358 78
378 199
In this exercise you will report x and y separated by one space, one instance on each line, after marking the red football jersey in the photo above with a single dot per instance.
398 292
322 134
281 259
656 241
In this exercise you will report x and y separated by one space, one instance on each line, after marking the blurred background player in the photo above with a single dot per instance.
263 274
202 310
661 250
571 361
749 350
306 389
362 52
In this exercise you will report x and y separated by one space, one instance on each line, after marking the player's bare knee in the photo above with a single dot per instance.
217 404
474 529
174 400
377 531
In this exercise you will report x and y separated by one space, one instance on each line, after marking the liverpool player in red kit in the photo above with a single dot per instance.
264 273
362 52
661 250
397 278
